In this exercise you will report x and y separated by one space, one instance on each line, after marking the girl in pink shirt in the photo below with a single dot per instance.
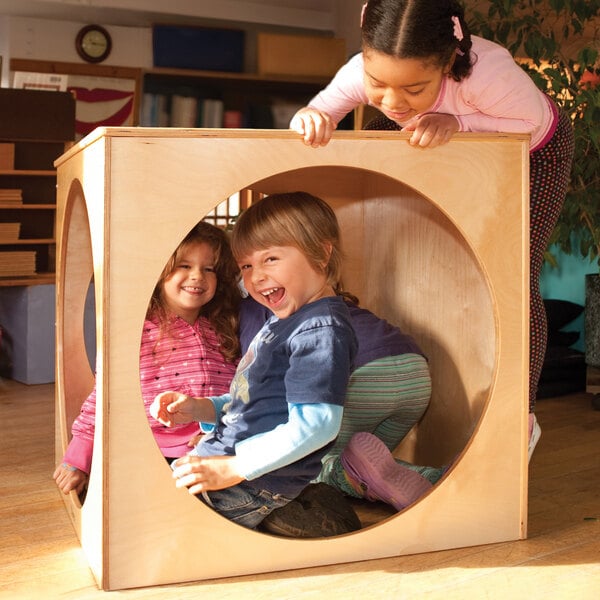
189 344
423 70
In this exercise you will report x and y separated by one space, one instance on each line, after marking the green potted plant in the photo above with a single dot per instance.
557 42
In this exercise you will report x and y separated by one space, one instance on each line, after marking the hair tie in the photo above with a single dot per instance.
458 32
362 13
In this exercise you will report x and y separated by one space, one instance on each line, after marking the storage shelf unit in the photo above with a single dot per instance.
250 93
40 126
206 64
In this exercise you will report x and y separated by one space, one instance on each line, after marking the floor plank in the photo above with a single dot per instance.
41 557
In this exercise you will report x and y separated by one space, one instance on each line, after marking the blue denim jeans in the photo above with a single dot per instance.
244 504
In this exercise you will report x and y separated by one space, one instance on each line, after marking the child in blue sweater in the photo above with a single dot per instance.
285 404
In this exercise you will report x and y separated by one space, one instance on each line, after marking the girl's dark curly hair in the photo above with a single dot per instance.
223 310
419 29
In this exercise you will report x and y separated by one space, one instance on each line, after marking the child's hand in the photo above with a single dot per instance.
204 473
194 440
173 408
432 129
70 478
314 126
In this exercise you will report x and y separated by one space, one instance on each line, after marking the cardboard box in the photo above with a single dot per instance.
309 56
7 157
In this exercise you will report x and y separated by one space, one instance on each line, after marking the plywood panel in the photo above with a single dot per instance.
436 242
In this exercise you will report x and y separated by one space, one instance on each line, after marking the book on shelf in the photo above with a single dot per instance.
7 156
211 113
184 111
155 110
9 232
11 196
233 119
17 263
180 110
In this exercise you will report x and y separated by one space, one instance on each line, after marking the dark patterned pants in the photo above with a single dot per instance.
549 172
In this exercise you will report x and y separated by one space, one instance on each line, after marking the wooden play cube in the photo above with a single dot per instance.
436 241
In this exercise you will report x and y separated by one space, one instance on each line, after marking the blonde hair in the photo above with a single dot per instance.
223 310
296 219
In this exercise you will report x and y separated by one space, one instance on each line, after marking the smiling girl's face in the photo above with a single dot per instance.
401 88
193 281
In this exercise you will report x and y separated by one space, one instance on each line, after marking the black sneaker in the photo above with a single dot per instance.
319 511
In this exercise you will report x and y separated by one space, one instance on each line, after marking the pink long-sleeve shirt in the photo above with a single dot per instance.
186 359
498 96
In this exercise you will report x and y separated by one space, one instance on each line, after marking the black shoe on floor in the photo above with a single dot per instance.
319 511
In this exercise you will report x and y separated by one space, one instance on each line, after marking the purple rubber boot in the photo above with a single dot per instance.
373 470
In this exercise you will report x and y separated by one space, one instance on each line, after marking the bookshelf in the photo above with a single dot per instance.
254 96
198 68
35 129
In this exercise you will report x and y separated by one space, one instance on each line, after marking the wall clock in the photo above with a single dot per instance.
93 43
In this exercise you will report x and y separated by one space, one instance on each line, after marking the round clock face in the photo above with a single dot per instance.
93 43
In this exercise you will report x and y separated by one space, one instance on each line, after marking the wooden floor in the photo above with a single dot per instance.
40 556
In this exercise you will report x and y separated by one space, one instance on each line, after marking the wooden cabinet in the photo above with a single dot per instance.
35 129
